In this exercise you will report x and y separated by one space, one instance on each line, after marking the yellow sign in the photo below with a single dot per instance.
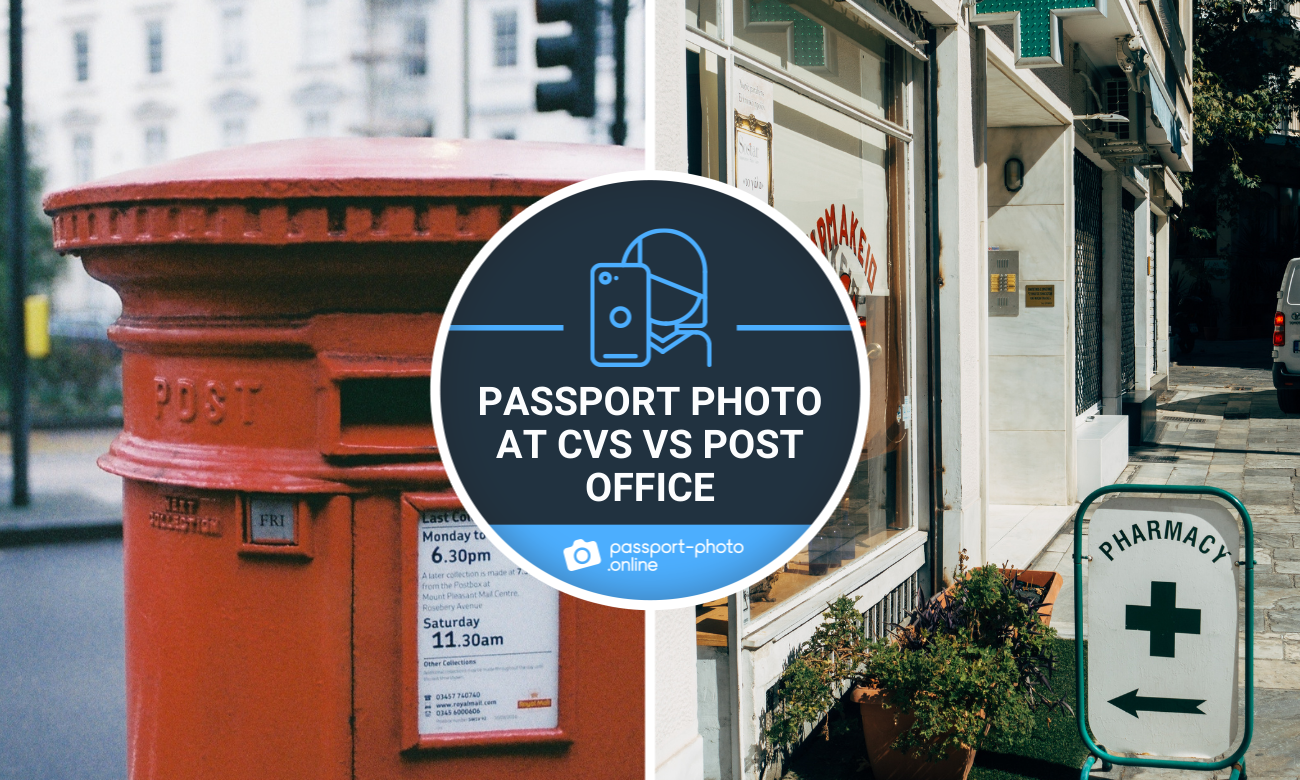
37 311
1040 296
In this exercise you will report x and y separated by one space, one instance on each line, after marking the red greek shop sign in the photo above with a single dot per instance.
843 240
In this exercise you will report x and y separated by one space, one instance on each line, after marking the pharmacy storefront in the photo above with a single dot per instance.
818 109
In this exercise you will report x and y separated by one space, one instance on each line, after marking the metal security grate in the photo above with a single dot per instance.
887 613
1087 283
1151 295
910 17
1116 91
1127 263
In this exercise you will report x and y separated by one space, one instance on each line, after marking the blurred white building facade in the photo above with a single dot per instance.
118 84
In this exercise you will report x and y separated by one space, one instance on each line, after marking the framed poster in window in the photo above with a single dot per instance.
754 157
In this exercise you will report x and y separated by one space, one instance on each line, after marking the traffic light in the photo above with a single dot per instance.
577 50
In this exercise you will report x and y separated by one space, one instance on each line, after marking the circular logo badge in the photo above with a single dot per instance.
650 390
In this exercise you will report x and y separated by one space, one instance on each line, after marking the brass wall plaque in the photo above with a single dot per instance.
1040 296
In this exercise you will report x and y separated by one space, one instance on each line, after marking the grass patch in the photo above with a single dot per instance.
1053 752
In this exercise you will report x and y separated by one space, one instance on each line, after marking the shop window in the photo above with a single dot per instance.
81 55
505 39
316 32
83 157
234 52
153 35
415 59
840 180
841 176
706 98
703 15
856 71
155 144
234 131
316 124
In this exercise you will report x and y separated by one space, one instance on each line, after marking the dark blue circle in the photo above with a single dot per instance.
774 319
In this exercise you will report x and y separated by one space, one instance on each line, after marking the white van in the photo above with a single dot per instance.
1286 340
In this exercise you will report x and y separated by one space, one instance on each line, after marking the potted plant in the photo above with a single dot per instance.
971 664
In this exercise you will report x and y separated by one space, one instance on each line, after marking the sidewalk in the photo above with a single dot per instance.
1221 426
72 498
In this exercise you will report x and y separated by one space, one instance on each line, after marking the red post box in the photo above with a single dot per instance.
304 597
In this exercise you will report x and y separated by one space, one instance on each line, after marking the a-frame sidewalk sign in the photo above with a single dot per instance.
1163 625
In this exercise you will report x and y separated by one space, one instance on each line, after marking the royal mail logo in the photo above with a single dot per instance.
532 704
843 240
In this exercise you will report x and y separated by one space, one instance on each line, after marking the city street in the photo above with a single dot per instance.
1220 425
62 686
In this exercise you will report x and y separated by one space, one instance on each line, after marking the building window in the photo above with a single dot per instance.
316 124
155 145
505 39
81 54
83 157
153 35
316 31
415 62
233 49
233 131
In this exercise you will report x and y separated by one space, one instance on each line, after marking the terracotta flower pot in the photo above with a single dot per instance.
880 726
1035 577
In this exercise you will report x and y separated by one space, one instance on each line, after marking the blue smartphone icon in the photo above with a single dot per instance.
620 314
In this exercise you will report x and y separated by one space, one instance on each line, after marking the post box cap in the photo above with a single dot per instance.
219 197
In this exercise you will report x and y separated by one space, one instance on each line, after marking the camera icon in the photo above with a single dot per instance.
581 554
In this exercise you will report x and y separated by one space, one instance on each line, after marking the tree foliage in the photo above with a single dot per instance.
43 263
1246 82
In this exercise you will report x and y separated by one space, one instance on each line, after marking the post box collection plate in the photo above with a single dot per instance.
489 634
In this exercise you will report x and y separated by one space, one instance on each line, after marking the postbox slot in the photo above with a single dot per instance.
390 411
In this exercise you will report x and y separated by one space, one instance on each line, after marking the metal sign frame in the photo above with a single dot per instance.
1236 760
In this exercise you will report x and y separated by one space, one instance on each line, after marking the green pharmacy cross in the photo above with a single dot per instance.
1036 25
1162 618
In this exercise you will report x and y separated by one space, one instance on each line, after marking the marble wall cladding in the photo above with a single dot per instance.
1039 233
1034 332
1027 467
1030 417
1045 153
1027 393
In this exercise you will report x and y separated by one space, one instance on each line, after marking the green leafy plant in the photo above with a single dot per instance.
816 675
971 665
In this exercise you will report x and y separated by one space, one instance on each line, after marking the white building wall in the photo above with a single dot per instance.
678 746
309 67
1031 392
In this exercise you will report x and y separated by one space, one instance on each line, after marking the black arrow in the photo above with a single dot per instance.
1131 703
